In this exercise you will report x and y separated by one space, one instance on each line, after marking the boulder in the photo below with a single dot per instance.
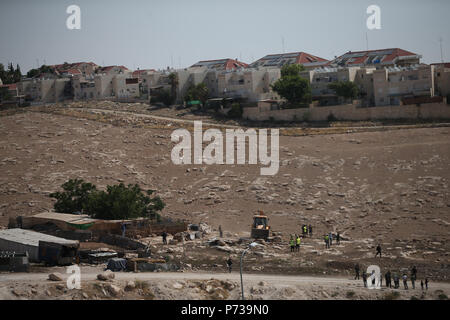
113 289
55 277
130 286
105 276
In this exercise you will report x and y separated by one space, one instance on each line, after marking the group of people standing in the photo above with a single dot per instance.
328 238
296 240
392 280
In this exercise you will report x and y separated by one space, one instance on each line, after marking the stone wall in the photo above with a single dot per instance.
350 112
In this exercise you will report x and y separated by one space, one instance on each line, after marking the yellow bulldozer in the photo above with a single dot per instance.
260 226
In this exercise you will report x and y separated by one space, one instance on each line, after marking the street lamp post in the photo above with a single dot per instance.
251 245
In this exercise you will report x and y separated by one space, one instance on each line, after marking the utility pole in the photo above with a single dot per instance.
442 55
367 41
251 245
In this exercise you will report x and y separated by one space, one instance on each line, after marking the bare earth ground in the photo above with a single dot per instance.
386 186
204 286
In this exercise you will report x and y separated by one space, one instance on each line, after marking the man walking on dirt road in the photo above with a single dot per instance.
164 237
378 251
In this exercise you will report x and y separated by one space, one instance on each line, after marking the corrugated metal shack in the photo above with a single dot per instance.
20 240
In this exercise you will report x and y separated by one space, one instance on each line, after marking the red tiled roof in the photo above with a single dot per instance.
445 64
137 73
291 57
224 64
384 56
107 68
72 71
304 58
64 67
12 86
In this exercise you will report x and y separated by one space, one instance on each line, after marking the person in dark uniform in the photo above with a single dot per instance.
378 251
364 277
387 276
229 264
357 271
164 237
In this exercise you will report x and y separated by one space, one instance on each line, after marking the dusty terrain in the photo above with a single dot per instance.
204 286
383 186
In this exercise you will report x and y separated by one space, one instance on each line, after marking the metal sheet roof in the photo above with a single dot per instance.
32 238
66 217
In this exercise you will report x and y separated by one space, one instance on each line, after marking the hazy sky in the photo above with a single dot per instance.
157 34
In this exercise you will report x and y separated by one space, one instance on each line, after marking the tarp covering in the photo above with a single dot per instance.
117 264
84 226
193 102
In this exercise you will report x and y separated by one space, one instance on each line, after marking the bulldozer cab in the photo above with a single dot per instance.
260 226
260 222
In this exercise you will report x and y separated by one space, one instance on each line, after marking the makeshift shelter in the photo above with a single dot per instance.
20 240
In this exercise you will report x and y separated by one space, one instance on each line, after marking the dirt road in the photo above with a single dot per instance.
90 273
200 286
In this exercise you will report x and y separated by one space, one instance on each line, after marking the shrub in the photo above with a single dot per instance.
235 111
394 295
350 294
306 116
331 117
163 96
442 296
345 89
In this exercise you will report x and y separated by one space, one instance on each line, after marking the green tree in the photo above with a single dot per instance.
42 69
5 95
235 111
75 196
163 96
197 92
345 89
33 73
173 80
2 73
292 69
291 86
116 203
17 74
123 202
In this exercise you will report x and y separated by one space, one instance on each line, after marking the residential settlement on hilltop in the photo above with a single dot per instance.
384 77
